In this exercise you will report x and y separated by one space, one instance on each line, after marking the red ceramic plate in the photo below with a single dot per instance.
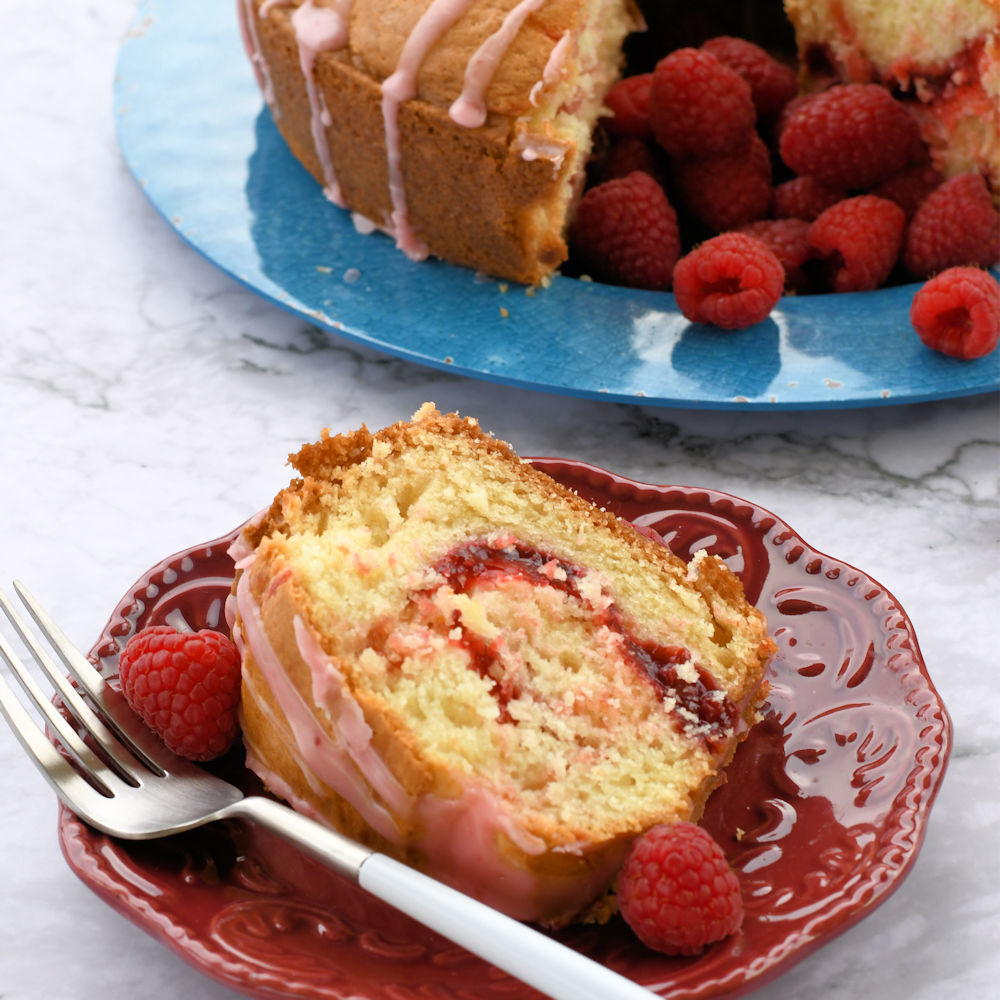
822 814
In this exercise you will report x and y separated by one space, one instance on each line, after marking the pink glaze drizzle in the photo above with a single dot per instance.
251 42
327 760
469 108
460 838
320 29
553 67
331 693
402 86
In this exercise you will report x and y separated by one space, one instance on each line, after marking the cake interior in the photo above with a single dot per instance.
531 650
564 118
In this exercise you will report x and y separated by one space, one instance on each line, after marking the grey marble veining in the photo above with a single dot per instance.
148 402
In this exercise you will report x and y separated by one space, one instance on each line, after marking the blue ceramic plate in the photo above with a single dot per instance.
194 131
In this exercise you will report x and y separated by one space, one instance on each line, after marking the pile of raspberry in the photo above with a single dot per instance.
771 192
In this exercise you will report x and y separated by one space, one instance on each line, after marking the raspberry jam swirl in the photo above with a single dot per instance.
699 706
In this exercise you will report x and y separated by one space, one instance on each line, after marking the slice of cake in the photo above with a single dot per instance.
460 127
454 659
945 54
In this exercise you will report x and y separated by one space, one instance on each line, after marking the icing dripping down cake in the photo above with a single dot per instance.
452 658
459 127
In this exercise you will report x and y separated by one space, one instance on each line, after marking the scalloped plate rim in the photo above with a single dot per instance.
77 841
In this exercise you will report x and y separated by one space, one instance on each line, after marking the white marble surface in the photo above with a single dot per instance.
147 402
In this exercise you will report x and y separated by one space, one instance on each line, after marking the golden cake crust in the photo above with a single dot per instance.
471 195
555 857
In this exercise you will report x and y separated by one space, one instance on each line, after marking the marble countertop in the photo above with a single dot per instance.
147 402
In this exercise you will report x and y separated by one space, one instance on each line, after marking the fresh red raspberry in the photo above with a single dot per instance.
852 136
804 198
861 238
628 101
772 83
788 240
677 891
728 190
732 281
625 232
958 312
785 115
185 686
955 225
910 187
628 154
698 107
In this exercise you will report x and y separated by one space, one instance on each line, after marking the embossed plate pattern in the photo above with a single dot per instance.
195 134
822 814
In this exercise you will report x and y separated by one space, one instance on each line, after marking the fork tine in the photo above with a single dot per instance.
68 736
76 793
109 703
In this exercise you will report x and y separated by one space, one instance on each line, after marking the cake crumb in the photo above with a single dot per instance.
323 269
740 833
504 287
504 312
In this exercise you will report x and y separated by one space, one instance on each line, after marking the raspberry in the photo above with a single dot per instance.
772 83
804 198
785 115
677 891
625 232
851 136
729 190
958 312
628 154
185 686
955 225
732 280
787 240
628 101
910 187
698 107
860 237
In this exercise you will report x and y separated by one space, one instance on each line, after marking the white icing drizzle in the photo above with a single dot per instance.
402 86
469 108
320 29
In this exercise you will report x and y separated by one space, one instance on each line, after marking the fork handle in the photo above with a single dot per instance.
535 959
525 953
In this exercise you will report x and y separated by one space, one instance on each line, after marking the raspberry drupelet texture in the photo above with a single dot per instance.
728 190
851 136
788 240
628 154
956 225
625 232
958 312
860 238
698 107
804 198
910 187
772 83
731 281
628 101
185 686
677 892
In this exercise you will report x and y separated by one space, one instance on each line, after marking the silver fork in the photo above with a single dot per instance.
126 783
